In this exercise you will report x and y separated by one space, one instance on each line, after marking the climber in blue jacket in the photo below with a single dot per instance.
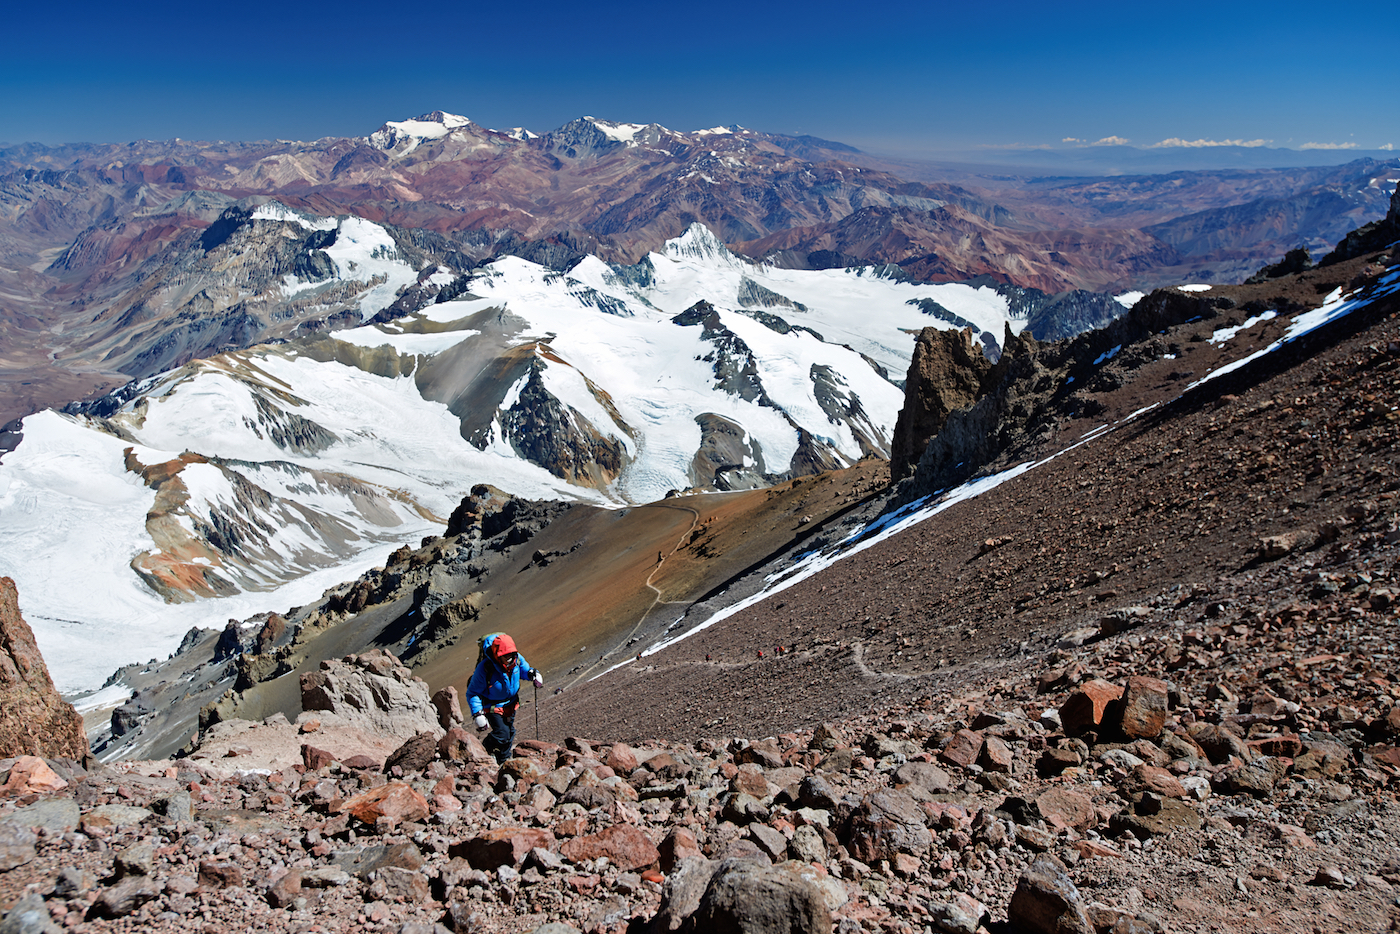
493 694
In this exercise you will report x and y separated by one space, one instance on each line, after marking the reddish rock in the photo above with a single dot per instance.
501 846
1086 707
666 767
996 755
765 753
314 758
524 771
1288 746
1096 848
963 749
460 746
448 704
625 846
570 826
678 845
34 719
32 775
1158 781
1143 711
751 781
284 889
621 759
362 762
414 755
395 800
1062 807
217 874
1055 761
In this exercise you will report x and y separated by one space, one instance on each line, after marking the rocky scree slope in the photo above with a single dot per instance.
1176 687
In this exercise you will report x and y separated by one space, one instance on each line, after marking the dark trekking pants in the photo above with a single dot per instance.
502 736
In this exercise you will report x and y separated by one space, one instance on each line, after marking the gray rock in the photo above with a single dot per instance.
175 808
555 927
924 774
122 899
114 816
325 877
544 859
807 845
16 846
361 862
770 841
29 916
817 793
73 882
56 815
745 898
886 823
681 894
948 918
1046 901
136 860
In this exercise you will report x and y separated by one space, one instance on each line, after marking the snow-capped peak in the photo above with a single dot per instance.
623 132
717 131
520 133
435 125
698 242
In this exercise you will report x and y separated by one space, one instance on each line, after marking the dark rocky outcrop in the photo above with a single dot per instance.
34 720
945 375
1374 236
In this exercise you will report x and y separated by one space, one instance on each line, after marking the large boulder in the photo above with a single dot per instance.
885 824
1047 902
744 897
34 719
373 689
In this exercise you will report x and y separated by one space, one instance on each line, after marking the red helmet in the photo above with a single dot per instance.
503 651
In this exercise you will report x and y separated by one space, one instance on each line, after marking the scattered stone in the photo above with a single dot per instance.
396 801
963 749
625 847
1087 706
743 897
1142 711
1047 902
125 897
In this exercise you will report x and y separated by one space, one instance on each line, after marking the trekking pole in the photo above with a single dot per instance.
537 712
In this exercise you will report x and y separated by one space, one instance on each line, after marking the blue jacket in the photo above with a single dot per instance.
494 686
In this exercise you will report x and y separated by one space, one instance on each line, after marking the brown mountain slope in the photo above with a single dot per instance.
1169 505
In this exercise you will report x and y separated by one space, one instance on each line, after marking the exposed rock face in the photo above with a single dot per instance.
373 689
548 432
945 375
1016 402
1376 235
34 720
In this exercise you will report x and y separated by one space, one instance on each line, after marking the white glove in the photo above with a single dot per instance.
539 680
481 723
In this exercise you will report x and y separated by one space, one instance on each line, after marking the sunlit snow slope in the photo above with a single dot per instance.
252 480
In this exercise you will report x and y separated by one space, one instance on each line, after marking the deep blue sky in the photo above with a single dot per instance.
887 77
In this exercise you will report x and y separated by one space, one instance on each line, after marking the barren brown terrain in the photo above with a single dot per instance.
1147 684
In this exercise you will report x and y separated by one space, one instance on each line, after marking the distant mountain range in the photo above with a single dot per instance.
99 241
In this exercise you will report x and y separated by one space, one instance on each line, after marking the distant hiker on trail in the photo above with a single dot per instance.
493 694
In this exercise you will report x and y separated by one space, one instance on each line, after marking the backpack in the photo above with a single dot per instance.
481 645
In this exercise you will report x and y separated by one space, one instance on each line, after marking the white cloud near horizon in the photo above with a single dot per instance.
1328 146
1178 143
1111 141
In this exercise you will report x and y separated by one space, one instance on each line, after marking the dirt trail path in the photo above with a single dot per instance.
587 672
